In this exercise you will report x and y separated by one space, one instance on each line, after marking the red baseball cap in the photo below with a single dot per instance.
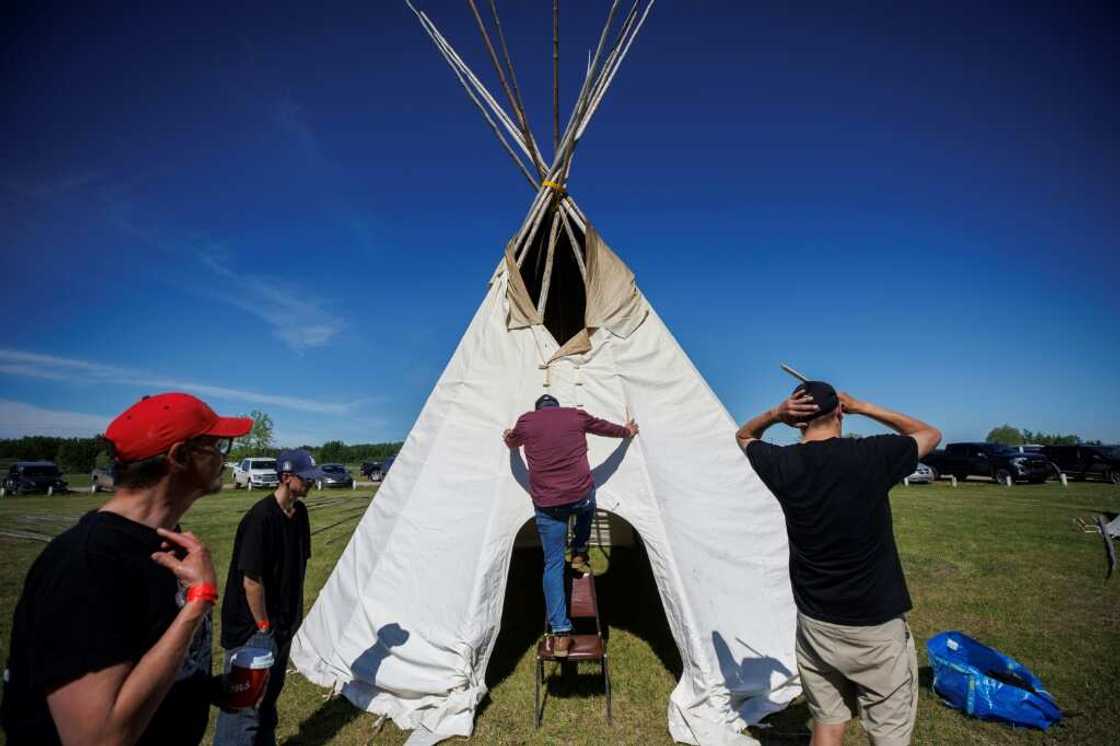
155 423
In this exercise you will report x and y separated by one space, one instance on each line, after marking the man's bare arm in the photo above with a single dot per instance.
926 436
254 595
116 704
789 411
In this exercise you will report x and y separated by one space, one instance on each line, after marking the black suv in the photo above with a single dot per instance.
1084 462
999 462
375 471
25 477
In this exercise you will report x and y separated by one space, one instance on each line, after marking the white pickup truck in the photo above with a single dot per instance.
255 473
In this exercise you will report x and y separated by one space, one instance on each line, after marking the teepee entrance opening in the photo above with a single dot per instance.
629 603
566 300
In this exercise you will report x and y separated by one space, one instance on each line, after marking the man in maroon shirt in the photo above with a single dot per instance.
561 485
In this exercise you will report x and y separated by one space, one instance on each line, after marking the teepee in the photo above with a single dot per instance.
407 621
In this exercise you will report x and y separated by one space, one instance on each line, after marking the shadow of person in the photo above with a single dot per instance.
518 469
336 712
753 676
604 471
388 637
601 473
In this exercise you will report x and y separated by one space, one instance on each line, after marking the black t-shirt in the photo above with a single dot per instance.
93 599
843 561
273 549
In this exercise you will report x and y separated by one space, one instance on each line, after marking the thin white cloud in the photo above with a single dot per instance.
49 187
18 419
52 367
296 318
292 121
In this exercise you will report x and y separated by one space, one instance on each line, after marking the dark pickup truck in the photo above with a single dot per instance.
1085 462
992 460
26 477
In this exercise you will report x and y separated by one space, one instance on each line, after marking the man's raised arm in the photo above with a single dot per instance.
789 411
608 429
927 436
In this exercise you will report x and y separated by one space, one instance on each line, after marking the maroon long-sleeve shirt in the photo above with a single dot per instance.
556 447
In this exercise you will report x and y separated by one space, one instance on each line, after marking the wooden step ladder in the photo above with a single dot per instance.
587 645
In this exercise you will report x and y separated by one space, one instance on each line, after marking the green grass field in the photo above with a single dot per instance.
1001 564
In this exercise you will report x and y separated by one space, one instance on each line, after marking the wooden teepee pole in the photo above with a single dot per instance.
555 76
546 283
513 102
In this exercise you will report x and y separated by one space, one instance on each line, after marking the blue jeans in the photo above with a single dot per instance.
256 726
552 526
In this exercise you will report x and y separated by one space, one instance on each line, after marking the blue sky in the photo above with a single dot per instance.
297 209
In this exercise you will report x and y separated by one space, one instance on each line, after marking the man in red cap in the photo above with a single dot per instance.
112 633
855 653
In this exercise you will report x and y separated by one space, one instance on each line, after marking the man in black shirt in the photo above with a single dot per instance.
855 654
263 605
111 636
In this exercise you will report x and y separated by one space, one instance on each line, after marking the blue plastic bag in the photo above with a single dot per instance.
987 684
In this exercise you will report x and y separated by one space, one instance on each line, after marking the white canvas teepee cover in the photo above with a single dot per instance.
407 621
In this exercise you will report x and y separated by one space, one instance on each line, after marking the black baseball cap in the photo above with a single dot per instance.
822 394
547 400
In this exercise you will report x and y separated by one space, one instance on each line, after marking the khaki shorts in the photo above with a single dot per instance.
871 672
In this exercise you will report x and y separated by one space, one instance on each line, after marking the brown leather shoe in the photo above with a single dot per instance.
561 644
581 564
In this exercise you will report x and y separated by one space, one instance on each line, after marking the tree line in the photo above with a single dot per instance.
79 455
1013 436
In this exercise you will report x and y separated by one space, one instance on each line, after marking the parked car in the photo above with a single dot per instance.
375 471
101 478
371 470
335 475
255 473
922 475
1085 462
998 462
27 477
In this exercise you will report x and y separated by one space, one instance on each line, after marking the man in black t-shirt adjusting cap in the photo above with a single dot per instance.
111 636
855 654
263 602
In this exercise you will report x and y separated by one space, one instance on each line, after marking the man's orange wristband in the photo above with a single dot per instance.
203 592
264 626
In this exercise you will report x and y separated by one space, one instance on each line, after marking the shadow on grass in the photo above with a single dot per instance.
789 726
331 717
925 677
334 714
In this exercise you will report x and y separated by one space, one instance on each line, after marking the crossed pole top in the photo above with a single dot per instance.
514 132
